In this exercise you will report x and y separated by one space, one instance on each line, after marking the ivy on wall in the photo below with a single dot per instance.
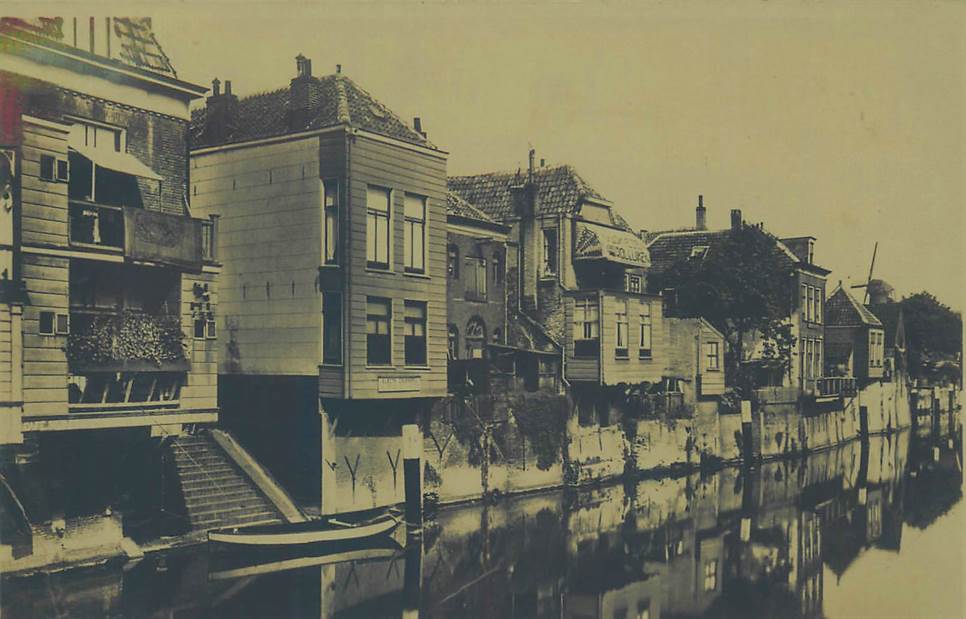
127 336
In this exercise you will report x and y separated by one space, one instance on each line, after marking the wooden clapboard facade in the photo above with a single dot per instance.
291 176
88 221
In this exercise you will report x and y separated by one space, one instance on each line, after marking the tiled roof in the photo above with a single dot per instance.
340 101
455 205
843 310
560 190
674 246
132 39
527 334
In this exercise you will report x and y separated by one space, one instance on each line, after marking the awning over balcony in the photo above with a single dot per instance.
596 242
119 162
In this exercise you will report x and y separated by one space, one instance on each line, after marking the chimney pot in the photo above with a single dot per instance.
735 219
418 124
543 162
338 68
215 87
700 215
227 87
533 154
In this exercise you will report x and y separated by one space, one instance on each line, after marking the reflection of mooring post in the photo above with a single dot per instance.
413 476
747 448
413 578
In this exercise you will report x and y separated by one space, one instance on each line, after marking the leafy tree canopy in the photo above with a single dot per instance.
744 287
934 332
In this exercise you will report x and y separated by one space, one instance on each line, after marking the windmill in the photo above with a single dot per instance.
865 298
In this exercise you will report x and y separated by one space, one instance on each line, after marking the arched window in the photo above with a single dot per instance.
453 342
453 261
475 338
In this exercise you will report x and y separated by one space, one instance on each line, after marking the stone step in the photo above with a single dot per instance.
214 523
214 467
217 498
228 483
225 512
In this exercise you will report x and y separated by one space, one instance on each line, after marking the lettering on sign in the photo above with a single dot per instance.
395 384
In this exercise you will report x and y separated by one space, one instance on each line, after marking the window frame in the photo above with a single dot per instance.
647 326
335 302
473 290
453 261
330 211
379 318
621 335
415 322
549 262
712 352
372 234
410 224
586 321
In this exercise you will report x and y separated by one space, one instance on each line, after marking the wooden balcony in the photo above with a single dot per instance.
833 386
143 235
126 341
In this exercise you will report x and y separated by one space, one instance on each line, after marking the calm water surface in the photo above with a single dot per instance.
854 532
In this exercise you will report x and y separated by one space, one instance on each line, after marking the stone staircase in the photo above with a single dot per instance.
217 493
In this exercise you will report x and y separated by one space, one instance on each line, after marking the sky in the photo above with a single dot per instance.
844 121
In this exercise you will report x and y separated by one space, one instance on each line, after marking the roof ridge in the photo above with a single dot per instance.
342 104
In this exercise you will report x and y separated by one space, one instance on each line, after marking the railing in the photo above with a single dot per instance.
99 225
125 341
834 386
143 234
668 405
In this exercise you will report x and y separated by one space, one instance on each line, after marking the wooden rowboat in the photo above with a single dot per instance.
328 529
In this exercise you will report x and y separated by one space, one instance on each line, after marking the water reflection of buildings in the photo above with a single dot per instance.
736 543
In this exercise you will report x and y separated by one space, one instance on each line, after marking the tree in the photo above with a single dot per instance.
934 334
743 286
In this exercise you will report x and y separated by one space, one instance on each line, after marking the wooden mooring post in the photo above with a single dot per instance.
413 477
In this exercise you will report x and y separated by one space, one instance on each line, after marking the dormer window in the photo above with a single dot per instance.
698 252
549 252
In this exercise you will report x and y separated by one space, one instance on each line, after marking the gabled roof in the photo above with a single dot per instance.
670 248
843 310
458 207
890 315
526 334
560 191
340 101
132 40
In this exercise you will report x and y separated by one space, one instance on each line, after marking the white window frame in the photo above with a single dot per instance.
372 260
409 226
712 350
330 242
645 352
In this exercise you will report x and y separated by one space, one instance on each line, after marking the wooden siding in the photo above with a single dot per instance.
631 370
6 355
44 203
583 369
269 241
402 170
331 381
44 356
201 387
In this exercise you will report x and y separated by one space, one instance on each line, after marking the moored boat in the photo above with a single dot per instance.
328 529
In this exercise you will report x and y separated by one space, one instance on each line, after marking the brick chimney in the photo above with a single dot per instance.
221 114
305 93
736 222
700 215
523 194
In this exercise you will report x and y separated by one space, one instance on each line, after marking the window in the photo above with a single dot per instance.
330 215
453 337
453 261
810 303
711 575
633 284
475 278
210 332
199 330
549 251
63 170
818 298
415 332
414 234
644 345
47 325
712 356
332 327
100 137
378 331
47 167
620 348
475 337
378 202
498 269
804 306
817 372
699 251
586 325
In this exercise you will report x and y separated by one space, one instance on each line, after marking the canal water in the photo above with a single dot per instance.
863 530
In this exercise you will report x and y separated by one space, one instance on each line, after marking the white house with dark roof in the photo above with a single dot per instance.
333 213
